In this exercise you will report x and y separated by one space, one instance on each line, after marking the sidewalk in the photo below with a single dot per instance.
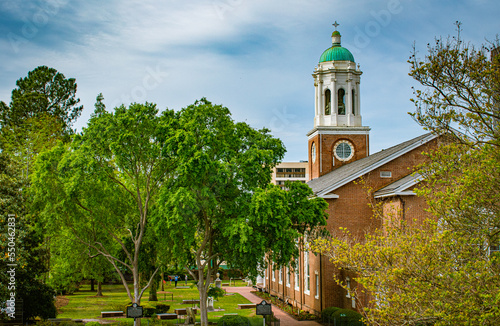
285 319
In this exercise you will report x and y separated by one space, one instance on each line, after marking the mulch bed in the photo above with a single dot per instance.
61 301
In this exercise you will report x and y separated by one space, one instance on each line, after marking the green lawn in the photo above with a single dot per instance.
84 305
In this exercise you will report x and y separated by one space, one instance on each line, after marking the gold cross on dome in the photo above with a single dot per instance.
335 24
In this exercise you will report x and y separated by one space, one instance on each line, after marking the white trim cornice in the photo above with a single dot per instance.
338 131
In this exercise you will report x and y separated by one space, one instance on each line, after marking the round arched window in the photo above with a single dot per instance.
313 152
343 150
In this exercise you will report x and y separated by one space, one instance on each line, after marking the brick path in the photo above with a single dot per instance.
285 319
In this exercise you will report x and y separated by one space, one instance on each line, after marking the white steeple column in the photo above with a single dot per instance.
316 98
321 105
358 113
333 103
349 103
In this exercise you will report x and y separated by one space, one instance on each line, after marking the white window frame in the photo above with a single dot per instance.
273 273
316 278
288 276
297 276
280 275
307 275
348 286
385 174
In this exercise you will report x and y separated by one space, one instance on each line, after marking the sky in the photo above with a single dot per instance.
255 57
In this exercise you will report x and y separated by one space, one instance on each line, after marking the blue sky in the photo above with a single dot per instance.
253 56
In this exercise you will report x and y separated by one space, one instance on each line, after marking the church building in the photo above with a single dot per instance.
342 171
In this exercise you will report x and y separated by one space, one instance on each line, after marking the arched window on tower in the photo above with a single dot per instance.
341 101
353 102
328 100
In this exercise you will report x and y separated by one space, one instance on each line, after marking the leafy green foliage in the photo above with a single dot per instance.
215 292
41 112
43 91
25 141
102 189
217 206
326 314
418 275
347 317
232 320
29 256
278 219
162 308
461 90
92 323
462 178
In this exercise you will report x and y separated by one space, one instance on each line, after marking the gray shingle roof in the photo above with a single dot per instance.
399 186
354 170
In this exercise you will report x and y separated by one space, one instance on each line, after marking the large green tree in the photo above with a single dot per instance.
220 206
43 91
104 186
19 230
41 110
461 90
429 275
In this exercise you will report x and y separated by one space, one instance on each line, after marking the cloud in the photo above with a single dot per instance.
256 57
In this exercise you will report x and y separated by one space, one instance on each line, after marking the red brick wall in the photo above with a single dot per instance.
324 152
411 209
351 210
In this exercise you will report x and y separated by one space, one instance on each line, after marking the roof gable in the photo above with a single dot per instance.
399 187
350 172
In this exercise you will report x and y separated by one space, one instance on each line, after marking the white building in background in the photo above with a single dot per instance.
292 171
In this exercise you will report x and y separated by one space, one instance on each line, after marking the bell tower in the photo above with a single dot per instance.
338 136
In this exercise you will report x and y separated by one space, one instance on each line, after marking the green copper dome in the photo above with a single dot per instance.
336 52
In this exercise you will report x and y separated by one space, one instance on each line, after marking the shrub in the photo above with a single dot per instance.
148 310
306 315
50 323
162 308
348 317
233 320
92 323
215 292
326 314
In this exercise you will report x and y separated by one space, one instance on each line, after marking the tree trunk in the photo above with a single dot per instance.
162 281
137 280
152 291
203 298
99 289
92 287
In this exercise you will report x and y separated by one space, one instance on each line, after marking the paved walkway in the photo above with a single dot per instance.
285 319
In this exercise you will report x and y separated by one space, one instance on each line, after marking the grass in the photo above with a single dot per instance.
85 305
